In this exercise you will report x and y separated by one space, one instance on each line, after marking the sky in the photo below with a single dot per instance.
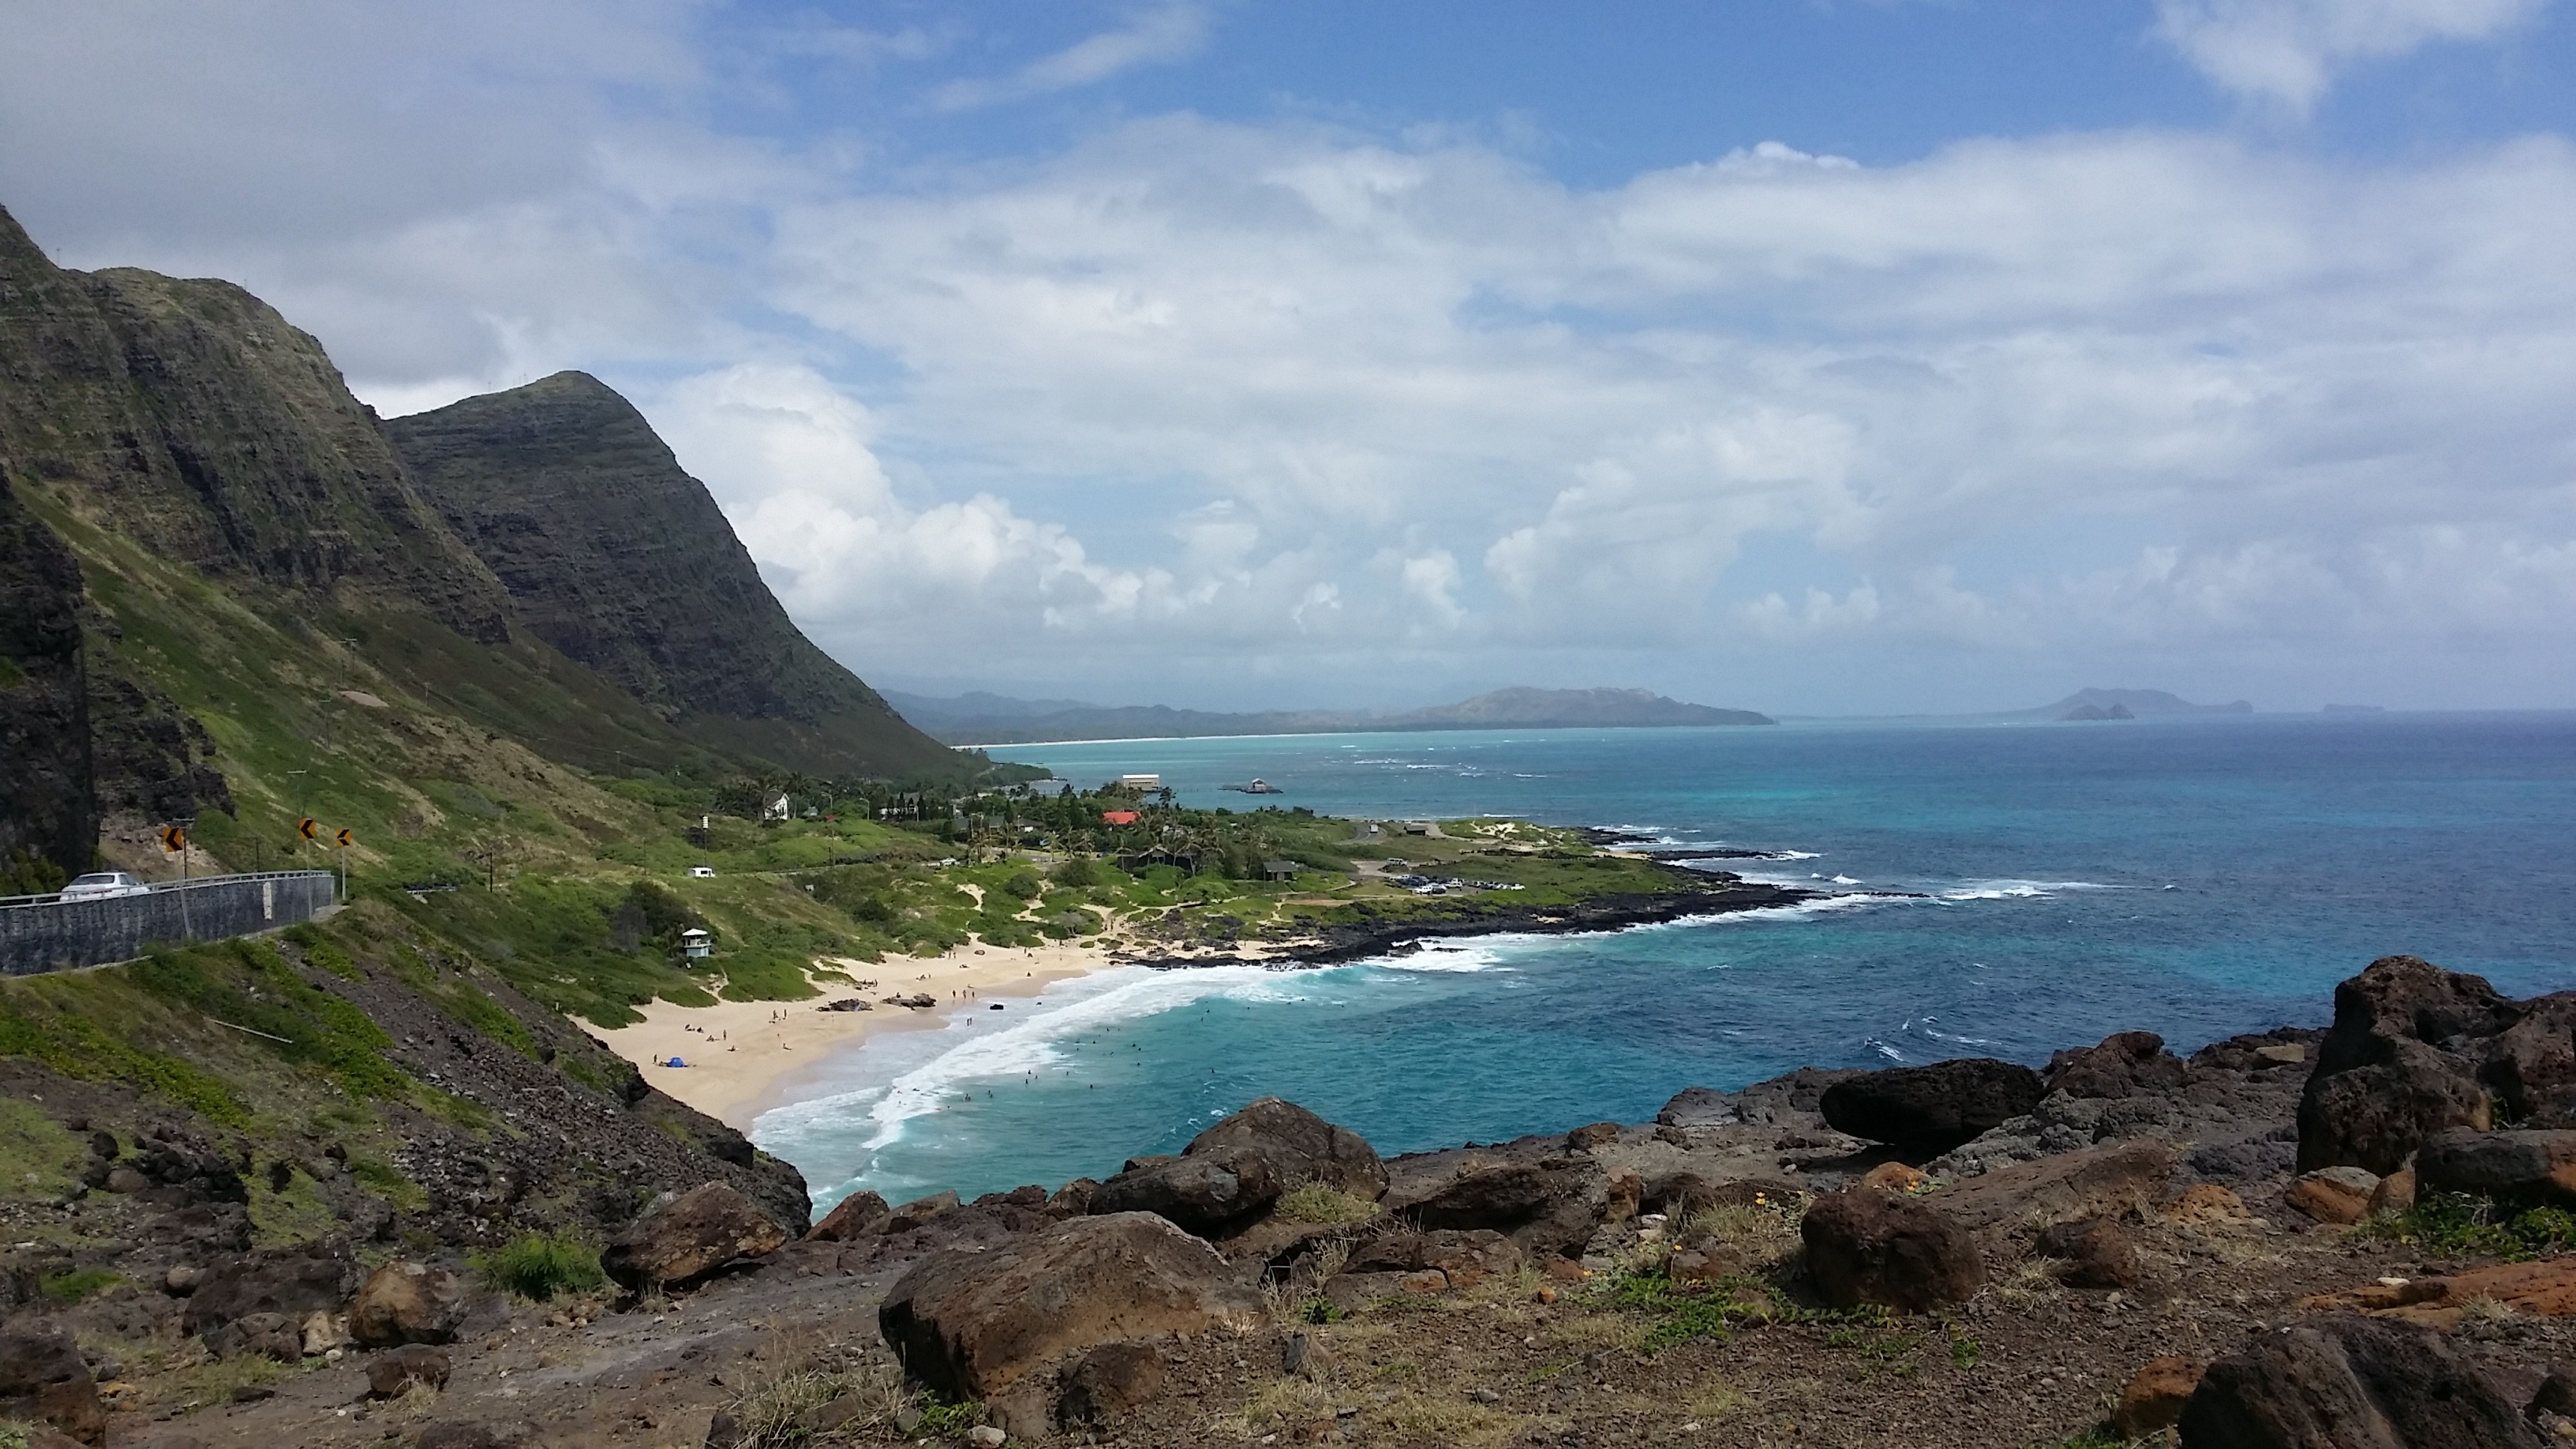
1815 356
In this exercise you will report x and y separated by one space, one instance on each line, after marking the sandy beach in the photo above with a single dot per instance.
745 1057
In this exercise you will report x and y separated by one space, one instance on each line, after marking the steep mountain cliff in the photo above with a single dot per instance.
48 818
614 555
220 574
198 422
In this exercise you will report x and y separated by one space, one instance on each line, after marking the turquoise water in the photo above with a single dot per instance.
2196 879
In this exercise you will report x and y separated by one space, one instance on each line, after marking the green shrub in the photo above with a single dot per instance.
951 1418
78 1284
1022 885
2456 1223
1077 873
538 1267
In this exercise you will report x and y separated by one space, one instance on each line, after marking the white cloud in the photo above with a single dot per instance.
1192 406
1160 35
2288 51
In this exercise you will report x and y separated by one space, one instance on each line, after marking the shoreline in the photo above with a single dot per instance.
746 1057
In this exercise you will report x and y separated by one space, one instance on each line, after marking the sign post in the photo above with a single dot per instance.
174 839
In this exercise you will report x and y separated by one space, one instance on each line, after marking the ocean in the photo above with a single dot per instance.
1994 890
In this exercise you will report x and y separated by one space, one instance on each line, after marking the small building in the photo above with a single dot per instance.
777 809
1141 784
697 944
1279 869
1117 817
1417 827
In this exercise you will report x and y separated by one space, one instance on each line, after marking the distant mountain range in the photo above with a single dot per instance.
2115 704
993 719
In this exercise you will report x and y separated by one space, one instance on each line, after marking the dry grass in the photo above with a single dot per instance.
1317 1202
1713 1398
1442 1421
1285 1403
771 1407
1591 1332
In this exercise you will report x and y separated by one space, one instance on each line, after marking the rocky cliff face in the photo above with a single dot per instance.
194 419
614 555
46 813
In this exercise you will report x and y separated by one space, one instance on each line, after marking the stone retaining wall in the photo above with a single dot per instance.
53 935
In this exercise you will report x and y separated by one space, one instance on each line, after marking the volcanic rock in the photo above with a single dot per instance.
263 1335
294 1283
2533 1167
855 1216
1866 1247
1109 1379
42 1376
2154 1396
1211 1193
2350 1383
2098 1254
687 1237
2124 1062
2110 1181
392 1373
1932 1108
1551 1206
974 1324
2333 1194
1301 1147
407 1303
2383 1081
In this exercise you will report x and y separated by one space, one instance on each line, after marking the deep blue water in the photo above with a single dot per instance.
2196 879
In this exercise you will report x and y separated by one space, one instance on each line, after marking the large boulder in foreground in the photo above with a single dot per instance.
1864 1246
1931 1109
2529 1167
407 1303
2341 1382
973 1325
682 1239
1301 1147
2387 1076
44 1378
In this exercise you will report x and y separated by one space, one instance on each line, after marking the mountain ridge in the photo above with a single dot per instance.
991 719
613 554
221 574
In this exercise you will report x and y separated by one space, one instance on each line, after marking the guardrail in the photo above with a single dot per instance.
48 933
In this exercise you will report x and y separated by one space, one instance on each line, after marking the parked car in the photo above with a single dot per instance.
103 885
702 872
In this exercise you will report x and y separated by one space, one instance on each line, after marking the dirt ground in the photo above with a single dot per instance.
1522 1358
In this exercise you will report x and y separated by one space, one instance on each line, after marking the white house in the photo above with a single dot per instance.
697 944
1146 783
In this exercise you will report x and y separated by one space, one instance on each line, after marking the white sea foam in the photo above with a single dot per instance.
1030 1044
1475 955
1846 880
1998 890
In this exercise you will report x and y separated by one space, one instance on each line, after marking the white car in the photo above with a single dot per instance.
702 872
104 885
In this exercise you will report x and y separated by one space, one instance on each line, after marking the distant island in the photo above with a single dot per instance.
994 719
2094 705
